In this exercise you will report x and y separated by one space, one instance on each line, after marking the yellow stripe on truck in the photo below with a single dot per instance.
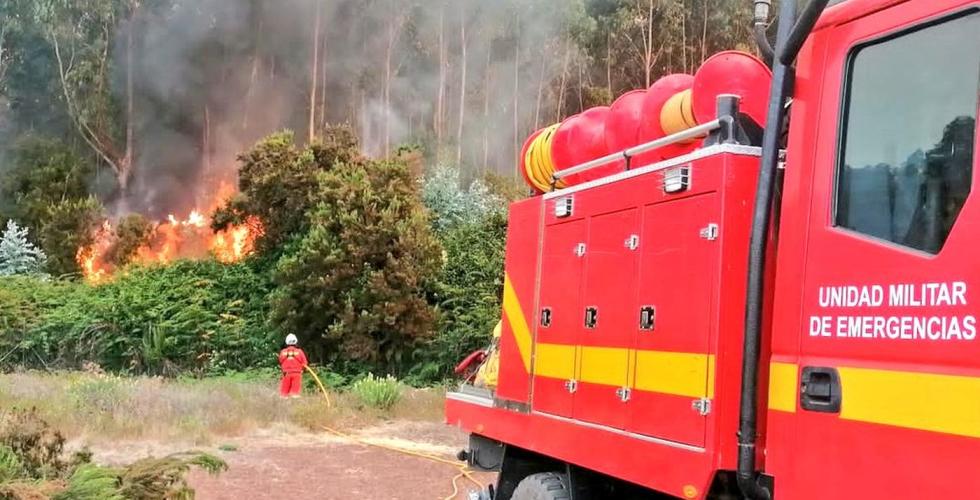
555 361
926 401
517 322
783 386
676 373
605 365
948 404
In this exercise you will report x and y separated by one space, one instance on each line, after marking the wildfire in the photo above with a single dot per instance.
90 257
173 238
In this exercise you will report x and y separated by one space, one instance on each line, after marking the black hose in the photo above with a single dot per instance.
760 26
801 30
762 41
782 82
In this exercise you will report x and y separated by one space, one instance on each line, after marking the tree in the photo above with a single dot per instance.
42 173
467 294
68 226
17 254
353 287
451 205
277 182
81 36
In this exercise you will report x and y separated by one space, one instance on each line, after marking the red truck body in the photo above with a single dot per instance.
624 297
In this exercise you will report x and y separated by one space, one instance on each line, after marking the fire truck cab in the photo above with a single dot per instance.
788 310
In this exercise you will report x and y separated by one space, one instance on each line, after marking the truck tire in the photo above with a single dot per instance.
543 486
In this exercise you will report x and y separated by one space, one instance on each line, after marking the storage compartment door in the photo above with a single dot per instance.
559 317
606 340
678 264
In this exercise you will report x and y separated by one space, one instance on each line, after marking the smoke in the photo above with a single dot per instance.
210 77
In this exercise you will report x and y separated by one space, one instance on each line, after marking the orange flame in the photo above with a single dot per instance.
189 238
91 257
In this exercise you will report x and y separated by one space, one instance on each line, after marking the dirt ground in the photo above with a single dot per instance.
284 463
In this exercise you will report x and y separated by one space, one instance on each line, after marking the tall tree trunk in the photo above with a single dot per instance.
255 68
683 34
440 113
704 33
564 79
206 141
323 83
648 46
3 51
537 103
130 114
609 63
517 91
462 85
486 110
394 29
315 73
89 136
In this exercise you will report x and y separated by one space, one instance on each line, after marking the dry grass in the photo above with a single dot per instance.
99 408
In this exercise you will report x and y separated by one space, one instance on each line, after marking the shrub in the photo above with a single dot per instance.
67 226
36 446
17 254
377 392
201 316
132 232
467 294
33 465
42 173
353 287
24 304
10 466
277 182
451 204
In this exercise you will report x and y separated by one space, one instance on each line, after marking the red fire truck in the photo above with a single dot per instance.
752 304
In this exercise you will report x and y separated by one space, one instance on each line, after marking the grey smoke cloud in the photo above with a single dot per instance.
213 76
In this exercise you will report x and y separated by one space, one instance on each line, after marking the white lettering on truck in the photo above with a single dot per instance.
906 325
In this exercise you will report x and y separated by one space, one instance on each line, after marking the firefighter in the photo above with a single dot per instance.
292 360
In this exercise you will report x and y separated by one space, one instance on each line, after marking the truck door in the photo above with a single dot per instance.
560 317
887 387
607 337
676 282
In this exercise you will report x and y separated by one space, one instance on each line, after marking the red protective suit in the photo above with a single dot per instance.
292 360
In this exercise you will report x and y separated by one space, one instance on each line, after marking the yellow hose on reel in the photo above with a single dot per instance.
537 160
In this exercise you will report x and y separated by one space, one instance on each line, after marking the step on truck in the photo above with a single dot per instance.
758 281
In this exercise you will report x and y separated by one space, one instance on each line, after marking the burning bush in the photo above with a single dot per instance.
135 239
278 183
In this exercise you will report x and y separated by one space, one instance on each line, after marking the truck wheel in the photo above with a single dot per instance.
543 486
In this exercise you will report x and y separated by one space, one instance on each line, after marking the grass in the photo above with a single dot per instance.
378 392
96 407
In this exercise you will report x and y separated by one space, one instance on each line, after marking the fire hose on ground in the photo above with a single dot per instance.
463 470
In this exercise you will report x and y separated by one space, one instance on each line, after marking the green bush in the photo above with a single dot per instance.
10 466
468 297
41 173
202 317
277 182
67 226
353 287
378 392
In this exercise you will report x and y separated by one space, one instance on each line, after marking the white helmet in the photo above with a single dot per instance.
291 339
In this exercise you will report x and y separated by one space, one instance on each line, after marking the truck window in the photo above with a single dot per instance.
909 122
